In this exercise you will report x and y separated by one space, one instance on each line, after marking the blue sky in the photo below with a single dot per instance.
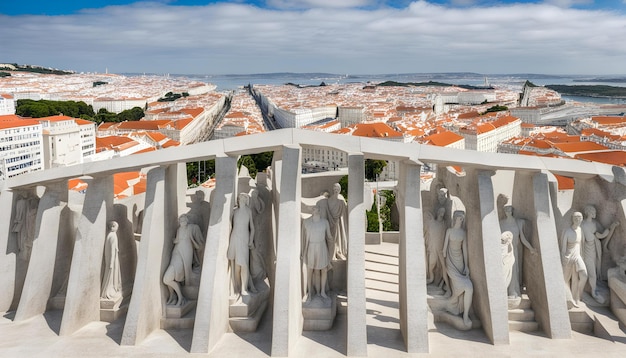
47 7
337 36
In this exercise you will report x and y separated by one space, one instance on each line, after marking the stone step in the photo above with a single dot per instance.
523 315
185 322
342 304
526 326
381 276
581 321
582 327
381 286
525 304
381 267
383 258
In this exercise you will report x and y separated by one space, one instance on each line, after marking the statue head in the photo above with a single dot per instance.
442 195
508 210
506 238
458 217
243 199
590 211
113 226
316 210
183 220
577 218
198 197
336 188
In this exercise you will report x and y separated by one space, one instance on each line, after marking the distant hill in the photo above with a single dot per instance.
590 90
429 83
33 68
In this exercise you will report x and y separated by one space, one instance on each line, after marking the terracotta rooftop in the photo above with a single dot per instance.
443 139
580 147
614 157
609 120
375 130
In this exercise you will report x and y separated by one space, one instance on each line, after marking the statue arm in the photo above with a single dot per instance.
610 235
305 242
467 271
521 224
598 251
445 242
251 223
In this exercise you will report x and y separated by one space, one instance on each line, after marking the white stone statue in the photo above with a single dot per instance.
199 213
24 224
434 234
516 227
19 225
258 270
112 278
591 248
508 256
457 265
574 270
241 242
188 237
316 238
336 214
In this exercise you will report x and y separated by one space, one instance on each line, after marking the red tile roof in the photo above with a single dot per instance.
614 157
443 139
376 130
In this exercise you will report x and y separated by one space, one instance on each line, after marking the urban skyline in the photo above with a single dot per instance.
353 37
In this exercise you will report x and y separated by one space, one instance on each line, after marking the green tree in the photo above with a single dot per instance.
373 167
248 162
344 186
199 172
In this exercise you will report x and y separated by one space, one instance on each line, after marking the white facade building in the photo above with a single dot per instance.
21 149
66 140
7 104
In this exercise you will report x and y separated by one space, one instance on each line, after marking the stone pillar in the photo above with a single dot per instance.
8 257
159 227
51 226
356 336
412 279
82 300
287 324
493 308
212 310
547 290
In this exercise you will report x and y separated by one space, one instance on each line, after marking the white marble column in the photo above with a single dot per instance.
495 319
551 311
49 232
212 310
159 227
412 278
287 320
356 336
8 258
82 300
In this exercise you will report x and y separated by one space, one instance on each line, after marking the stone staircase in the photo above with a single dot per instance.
381 271
522 318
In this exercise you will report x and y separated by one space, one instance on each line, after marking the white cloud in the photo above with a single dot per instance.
308 4
568 3
236 38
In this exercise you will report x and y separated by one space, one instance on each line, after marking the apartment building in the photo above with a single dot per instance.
7 104
21 147
67 140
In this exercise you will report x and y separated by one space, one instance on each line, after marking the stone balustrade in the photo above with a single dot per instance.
65 258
